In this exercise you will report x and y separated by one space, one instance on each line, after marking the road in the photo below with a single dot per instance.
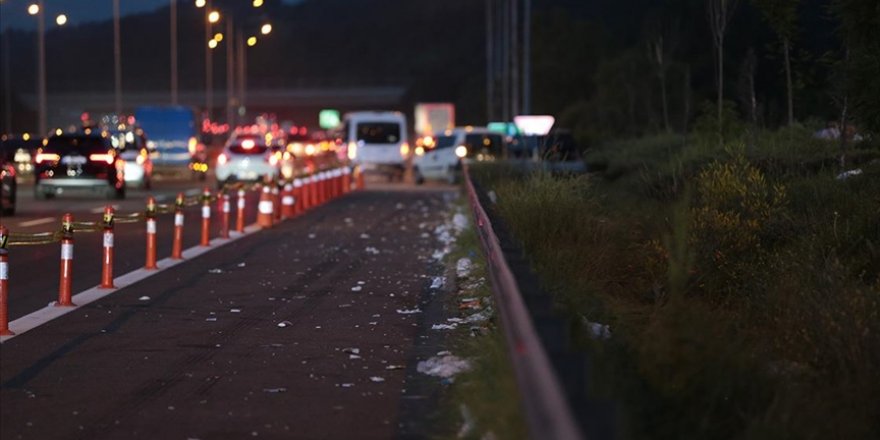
310 329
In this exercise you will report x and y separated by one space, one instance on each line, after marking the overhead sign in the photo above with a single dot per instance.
538 125
505 128
329 118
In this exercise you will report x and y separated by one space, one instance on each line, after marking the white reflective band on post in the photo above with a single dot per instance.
108 239
226 205
287 200
66 251
151 226
265 207
297 183
240 202
4 270
178 219
206 212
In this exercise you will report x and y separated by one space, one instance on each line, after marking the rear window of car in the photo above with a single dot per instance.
490 143
248 148
79 144
445 142
378 132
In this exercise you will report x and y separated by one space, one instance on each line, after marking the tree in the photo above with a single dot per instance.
860 64
782 17
719 13
661 44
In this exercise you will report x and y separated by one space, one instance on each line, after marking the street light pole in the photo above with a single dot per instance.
117 58
41 68
7 84
490 92
242 71
209 67
527 58
230 72
173 52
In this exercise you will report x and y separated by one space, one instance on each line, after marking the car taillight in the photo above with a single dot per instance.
352 150
47 157
101 157
222 159
404 149
273 158
141 158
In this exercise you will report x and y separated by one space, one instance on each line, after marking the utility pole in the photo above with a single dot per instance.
117 58
7 84
230 72
505 60
41 73
242 69
490 79
173 52
514 58
527 58
209 67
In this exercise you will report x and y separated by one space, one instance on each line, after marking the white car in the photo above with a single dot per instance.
443 161
376 140
246 158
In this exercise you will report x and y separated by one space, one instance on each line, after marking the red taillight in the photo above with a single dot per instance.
222 159
47 157
103 157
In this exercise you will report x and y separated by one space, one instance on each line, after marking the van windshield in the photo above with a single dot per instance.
445 142
378 132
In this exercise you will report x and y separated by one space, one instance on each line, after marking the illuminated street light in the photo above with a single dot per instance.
212 44
214 17
252 41
61 20
266 29
258 3
200 3
218 37
34 9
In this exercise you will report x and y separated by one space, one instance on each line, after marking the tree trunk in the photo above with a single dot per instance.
786 50
843 115
663 98
721 88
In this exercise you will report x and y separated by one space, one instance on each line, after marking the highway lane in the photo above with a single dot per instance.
34 270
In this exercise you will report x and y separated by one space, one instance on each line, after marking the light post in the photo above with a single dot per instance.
37 10
173 27
7 81
117 60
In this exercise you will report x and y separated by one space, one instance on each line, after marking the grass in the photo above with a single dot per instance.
742 284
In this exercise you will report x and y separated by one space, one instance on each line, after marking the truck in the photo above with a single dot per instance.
432 119
173 139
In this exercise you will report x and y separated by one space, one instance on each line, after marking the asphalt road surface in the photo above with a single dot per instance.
310 329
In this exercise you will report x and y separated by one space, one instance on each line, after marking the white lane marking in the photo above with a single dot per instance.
37 222
50 312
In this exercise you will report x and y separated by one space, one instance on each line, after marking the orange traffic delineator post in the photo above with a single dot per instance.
264 208
225 208
107 261
322 187
346 180
66 280
151 234
297 196
206 217
239 220
287 201
276 203
177 245
337 187
359 173
310 191
4 284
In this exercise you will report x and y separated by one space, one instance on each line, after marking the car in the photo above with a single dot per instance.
443 161
19 151
377 141
8 187
131 146
246 157
78 162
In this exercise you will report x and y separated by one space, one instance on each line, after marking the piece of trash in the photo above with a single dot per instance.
346 385
477 317
443 366
353 357
443 353
372 250
211 319
847 174
472 304
235 310
351 350
492 197
455 320
283 324
460 222
242 264
463 267
365 236
312 236
409 311
395 367
144 298
377 379
444 327
215 271
357 288
274 390
596 330
438 282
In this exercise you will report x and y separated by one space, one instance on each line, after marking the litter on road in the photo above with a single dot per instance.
443 366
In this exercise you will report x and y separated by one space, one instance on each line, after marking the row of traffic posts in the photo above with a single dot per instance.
279 200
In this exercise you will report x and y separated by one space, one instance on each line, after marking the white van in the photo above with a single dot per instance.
468 144
376 140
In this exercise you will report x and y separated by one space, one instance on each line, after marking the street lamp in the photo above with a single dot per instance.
252 41
61 20
218 37
200 3
212 44
213 17
258 3
266 29
36 9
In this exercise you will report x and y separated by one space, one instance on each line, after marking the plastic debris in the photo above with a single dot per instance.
395 367
312 235
460 222
377 379
346 385
492 197
242 264
445 366
283 324
438 282
211 319
596 330
847 174
444 326
351 350
409 311
463 267
234 310
144 298
371 250
357 288
365 236
215 270
274 390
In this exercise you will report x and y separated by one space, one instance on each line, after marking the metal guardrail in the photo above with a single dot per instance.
548 414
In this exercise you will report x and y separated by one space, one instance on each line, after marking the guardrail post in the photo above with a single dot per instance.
4 284
107 260
65 285
239 224
177 245
206 217
225 208
151 234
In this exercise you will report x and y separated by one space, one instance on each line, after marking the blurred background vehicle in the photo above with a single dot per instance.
8 187
443 160
78 162
174 140
377 141
246 157
18 150
131 147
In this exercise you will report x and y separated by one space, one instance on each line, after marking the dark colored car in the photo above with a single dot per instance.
18 151
8 187
78 162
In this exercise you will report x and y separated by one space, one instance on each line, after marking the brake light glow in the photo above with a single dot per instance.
404 149
420 151
222 159
310 150
247 144
47 157
102 157
274 158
